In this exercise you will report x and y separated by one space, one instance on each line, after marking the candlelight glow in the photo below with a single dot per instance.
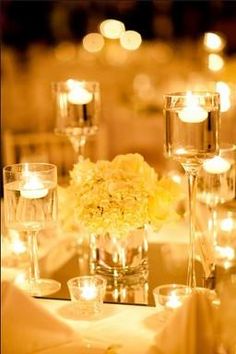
89 292
181 151
93 42
18 246
173 301
112 29
192 113
225 252
227 224
176 178
131 40
20 279
225 92
213 42
33 187
215 62
216 165
77 93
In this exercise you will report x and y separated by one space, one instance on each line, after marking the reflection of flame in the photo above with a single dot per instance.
17 245
227 225
20 279
224 91
225 252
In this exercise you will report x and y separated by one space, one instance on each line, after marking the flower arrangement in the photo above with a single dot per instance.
117 196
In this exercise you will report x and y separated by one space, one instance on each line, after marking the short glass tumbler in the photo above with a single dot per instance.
87 292
171 296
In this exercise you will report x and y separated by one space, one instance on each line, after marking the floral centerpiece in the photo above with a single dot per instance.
115 198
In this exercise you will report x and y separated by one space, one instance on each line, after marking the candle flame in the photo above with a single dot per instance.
173 301
77 93
193 112
33 187
216 165
89 292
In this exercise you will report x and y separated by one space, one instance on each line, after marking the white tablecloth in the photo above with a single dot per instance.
131 329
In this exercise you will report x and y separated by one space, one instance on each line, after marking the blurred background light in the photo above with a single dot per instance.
215 62
93 42
112 29
130 40
214 42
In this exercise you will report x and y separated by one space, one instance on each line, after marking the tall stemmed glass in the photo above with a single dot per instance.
77 105
30 205
216 183
191 136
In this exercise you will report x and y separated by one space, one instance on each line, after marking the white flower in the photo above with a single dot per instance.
117 196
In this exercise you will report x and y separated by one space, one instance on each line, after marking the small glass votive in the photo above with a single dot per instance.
87 292
171 296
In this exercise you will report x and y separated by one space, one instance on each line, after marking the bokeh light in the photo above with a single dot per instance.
215 62
130 40
112 29
225 92
213 42
93 42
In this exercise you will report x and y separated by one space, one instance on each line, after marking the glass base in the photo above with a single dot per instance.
120 259
41 287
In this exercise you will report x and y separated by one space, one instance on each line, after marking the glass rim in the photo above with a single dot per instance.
183 94
64 82
227 147
9 168
86 277
171 286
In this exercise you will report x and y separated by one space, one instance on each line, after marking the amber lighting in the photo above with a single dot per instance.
65 51
225 92
131 40
112 29
213 42
215 62
93 42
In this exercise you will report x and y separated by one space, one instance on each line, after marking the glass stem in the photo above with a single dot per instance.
78 143
213 228
192 173
33 253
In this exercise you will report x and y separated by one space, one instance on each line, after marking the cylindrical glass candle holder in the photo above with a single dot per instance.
171 296
87 293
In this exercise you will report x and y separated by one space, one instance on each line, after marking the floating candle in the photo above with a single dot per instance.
79 95
216 165
33 188
192 113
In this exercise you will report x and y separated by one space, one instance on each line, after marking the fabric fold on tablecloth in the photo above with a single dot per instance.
29 328
191 329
